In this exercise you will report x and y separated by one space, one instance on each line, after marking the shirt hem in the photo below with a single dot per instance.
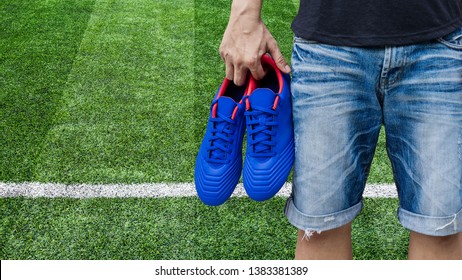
370 41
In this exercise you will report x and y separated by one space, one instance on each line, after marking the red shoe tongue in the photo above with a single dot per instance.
226 106
262 97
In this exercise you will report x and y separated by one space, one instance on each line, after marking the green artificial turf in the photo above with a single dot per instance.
39 41
176 228
128 107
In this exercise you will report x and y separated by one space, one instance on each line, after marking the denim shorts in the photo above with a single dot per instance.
341 98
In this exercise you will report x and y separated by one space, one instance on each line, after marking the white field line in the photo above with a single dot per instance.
151 190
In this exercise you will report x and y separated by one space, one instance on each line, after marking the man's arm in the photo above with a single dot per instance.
245 40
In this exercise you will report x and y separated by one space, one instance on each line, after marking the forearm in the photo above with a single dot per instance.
251 8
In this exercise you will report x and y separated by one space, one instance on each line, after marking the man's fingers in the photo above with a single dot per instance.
256 68
277 56
240 75
229 71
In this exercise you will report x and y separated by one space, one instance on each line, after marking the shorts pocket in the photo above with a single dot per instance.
300 40
453 40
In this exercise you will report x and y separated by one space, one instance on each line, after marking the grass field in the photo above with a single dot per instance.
175 228
118 91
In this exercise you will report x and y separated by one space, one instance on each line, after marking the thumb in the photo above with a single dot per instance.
278 58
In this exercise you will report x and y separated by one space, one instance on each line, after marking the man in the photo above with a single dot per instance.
355 66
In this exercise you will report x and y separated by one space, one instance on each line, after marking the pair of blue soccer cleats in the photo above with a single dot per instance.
262 108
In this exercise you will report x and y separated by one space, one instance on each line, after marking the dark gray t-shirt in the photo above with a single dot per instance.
376 22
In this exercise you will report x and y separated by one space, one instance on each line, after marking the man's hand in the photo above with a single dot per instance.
245 41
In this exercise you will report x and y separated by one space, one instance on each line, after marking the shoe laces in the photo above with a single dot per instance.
261 129
220 146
